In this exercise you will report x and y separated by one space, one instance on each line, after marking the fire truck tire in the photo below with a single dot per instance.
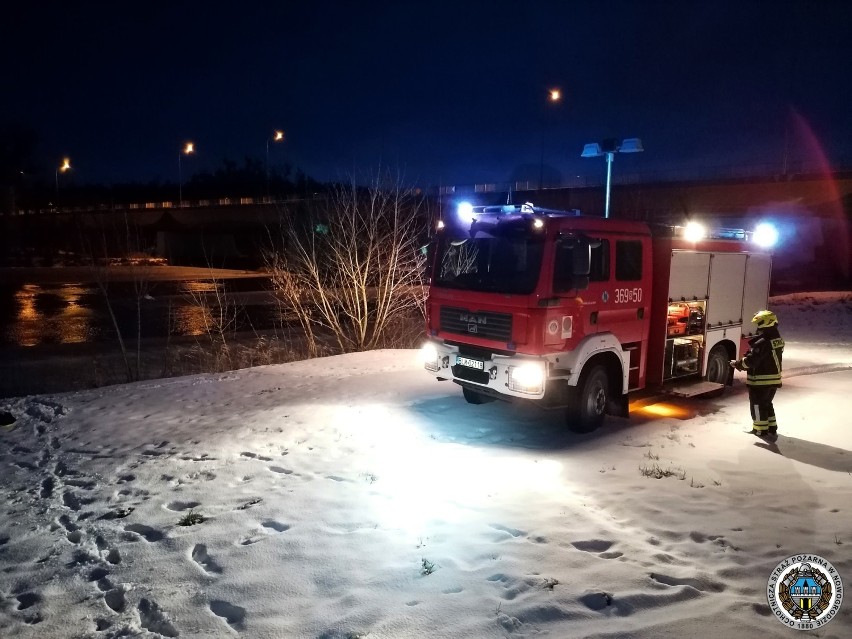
472 397
718 368
587 411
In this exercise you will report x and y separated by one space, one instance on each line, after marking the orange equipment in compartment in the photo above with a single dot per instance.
685 319
678 319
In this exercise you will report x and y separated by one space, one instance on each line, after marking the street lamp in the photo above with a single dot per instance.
62 168
553 96
188 149
609 148
277 136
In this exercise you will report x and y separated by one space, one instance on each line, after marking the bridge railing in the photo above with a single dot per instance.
186 204
793 171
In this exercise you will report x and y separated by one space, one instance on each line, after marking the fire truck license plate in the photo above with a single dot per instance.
470 363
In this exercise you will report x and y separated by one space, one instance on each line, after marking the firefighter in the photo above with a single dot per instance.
762 363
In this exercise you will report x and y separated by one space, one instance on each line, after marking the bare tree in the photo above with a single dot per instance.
128 243
353 268
216 313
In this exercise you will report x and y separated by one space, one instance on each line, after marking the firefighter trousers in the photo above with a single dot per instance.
762 411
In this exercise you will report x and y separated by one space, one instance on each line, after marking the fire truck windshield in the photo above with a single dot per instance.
504 263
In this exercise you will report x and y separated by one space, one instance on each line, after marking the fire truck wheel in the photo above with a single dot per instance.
589 406
718 368
473 397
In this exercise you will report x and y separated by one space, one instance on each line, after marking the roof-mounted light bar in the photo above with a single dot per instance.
466 212
764 234
695 232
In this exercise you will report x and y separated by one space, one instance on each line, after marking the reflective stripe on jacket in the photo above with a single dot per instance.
762 362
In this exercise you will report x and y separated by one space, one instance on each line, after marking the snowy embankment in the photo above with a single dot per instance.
355 496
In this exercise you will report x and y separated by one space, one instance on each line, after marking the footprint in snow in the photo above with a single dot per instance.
104 584
279 469
47 486
146 532
514 532
202 558
592 545
81 558
179 506
75 536
27 600
153 619
102 624
115 600
251 455
254 501
248 541
84 484
61 470
277 526
699 584
70 500
97 574
596 600
234 615
67 524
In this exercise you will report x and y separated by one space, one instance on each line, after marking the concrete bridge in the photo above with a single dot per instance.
822 194
815 209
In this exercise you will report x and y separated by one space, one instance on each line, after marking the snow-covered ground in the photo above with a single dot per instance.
355 496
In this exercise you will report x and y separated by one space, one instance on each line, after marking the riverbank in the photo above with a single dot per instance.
118 273
58 368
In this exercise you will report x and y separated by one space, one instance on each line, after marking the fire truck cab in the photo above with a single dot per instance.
576 312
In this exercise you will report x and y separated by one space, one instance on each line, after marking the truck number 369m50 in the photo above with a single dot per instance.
626 295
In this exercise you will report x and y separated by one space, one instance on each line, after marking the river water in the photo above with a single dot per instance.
58 336
38 314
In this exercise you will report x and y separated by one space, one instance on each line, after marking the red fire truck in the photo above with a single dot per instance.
576 312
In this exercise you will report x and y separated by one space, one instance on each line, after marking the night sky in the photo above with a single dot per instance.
448 92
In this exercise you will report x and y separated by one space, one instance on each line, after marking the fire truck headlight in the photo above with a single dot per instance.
765 235
429 356
527 378
694 232
465 212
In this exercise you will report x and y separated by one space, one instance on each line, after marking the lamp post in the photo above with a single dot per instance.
188 149
553 96
62 168
277 136
609 148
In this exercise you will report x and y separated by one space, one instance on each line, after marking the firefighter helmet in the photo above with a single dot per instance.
764 319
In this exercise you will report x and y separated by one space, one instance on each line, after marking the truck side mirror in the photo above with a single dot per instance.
582 258
573 265
582 264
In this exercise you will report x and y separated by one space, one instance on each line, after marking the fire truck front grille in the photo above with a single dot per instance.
484 324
